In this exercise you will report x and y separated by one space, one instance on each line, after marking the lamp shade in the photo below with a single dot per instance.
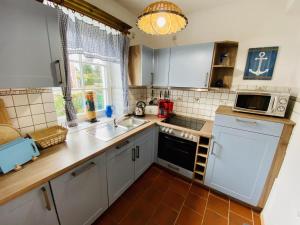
162 18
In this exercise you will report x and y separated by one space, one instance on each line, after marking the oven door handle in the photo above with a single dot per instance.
173 139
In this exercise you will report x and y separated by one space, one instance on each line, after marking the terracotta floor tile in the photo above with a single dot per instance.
105 219
173 199
180 186
164 215
196 203
198 190
257 220
140 213
153 196
120 209
212 218
161 183
241 210
218 205
235 219
189 217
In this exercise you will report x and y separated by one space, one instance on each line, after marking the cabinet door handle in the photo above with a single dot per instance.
206 79
122 144
137 152
133 154
47 201
246 121
57 65
212 148
83 169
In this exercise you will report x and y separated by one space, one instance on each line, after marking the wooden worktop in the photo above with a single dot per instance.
227 110
59 159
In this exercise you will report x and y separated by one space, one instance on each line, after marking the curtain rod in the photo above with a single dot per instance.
93 12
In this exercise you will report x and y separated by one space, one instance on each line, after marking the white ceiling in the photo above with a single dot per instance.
188 6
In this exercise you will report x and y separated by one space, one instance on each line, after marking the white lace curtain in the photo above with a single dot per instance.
91 40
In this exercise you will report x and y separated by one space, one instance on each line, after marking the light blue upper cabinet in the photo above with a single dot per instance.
140 66
30 48
161 67
239 162
190 65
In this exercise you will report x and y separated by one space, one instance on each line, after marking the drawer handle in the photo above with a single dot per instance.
173 167
246 121
45 194
212 148
82 170
57 64
123 144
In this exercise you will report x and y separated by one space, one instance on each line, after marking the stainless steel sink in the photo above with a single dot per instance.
107 132
131 122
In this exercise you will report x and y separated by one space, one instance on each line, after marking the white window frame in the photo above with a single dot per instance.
107 87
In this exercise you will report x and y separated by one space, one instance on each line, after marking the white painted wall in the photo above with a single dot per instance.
283 206
253 24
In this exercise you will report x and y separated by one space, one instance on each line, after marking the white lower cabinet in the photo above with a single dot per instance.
144 150
128 161
120 170
33 208
81 194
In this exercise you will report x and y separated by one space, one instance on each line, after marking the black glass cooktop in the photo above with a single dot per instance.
186 122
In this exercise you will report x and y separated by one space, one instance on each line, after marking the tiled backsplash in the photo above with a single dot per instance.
136 94
196 103
30 109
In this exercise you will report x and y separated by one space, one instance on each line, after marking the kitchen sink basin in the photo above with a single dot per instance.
131 122
107 132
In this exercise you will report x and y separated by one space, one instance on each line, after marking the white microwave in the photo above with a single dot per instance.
265 103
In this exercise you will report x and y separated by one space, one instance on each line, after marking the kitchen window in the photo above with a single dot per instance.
87 74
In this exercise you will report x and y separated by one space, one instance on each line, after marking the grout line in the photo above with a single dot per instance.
205 208
242 216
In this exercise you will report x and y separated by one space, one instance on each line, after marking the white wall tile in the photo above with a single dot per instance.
11 112
37 109
51 124
40 126
25 121
49 107
47 97
20 100
38 119
23 111
15 123
8 101
50 117
27 130
35 98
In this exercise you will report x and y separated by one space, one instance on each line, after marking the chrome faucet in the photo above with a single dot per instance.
115 122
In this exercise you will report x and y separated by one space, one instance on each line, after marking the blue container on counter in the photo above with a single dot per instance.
108 111
16 153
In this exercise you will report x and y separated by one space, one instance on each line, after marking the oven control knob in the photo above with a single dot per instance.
186 135
170 131
280 108
191 137
182 134
283 101
163 129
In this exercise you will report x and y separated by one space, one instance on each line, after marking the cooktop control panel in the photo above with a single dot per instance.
178 133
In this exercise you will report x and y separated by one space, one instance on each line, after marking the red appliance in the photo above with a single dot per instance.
165 108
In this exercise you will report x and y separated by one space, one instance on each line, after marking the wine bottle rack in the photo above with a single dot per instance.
201 159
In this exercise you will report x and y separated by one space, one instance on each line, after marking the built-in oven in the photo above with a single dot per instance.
177 152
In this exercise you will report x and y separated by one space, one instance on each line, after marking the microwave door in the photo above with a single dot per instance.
259 103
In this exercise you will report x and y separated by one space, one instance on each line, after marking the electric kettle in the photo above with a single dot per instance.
140 109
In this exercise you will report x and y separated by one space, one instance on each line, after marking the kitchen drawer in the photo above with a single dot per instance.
122 146
258 126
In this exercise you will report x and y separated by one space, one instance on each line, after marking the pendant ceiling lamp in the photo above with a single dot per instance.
161 18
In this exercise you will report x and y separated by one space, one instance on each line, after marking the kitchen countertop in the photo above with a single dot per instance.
59 159
227 110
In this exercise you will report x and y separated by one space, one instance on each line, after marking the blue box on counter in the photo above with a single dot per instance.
16 153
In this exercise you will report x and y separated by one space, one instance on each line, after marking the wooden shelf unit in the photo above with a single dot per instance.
223 71
201 159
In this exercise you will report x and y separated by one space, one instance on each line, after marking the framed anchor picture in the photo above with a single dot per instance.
260 63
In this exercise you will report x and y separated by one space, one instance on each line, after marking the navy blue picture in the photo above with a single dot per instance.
260 63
